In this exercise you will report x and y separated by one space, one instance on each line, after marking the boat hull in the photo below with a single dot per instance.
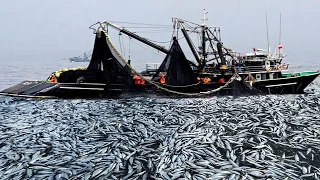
44 89
286 85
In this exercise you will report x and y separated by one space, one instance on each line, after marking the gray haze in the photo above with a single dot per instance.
37 30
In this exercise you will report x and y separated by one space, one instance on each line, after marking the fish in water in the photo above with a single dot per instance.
255 137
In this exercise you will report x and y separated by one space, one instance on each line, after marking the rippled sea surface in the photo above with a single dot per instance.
256 137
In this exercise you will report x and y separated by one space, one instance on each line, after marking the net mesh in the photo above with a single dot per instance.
104 65
242 88
176 67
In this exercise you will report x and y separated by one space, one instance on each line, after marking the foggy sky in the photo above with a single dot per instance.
56 29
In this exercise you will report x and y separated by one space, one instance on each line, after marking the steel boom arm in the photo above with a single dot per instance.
135 36
194 51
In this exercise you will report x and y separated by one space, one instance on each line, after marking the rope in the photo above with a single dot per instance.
161 25
123 46
168 85
120 45
156 53
235 76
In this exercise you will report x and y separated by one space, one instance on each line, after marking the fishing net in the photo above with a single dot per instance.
221 54
103 55
176 67
105 66
240 88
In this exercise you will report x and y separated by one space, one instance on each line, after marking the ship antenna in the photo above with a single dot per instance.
204 17
267 28
280 45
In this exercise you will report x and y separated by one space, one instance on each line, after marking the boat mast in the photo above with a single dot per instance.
267 28
204 29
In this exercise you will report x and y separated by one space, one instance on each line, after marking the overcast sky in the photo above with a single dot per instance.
56 29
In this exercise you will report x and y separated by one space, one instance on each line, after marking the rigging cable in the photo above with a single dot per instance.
198 39
121 22
172 35
145 27
120 43
124 50
129 55
146 48
153 31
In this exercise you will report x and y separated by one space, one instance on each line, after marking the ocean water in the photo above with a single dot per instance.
274 136
16 71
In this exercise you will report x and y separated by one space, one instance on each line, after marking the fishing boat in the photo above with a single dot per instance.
84 58
215 70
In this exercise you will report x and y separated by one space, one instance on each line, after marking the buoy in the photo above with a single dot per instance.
54 79
224 66
206 80
137 79
162 80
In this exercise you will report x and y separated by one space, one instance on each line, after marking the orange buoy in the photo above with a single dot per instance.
224 67
137 79
54 79
206 80
162 80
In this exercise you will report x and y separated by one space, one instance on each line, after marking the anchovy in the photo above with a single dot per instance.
269 137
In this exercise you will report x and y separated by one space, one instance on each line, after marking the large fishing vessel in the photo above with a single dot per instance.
215 70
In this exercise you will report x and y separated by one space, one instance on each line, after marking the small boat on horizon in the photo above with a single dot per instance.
82 58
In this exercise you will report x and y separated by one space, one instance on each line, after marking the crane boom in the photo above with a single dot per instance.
139 38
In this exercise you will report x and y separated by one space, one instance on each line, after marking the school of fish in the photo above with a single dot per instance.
253 137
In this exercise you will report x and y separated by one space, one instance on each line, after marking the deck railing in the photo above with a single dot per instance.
250 68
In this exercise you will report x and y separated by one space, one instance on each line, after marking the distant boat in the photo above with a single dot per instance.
84 58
